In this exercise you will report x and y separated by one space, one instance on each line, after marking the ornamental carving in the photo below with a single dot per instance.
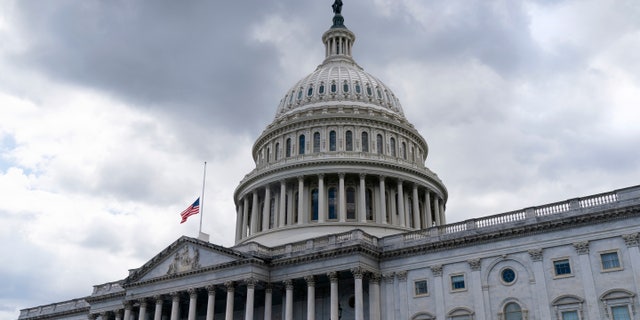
388 277
535 254
251 282
631 240
402 275
437 270
358 272
333 276
230 286
288 284
311 281
188 258
581 247
375 277
474 264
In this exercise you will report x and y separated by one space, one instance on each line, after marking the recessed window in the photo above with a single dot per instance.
369 92
365 142
316 142
513 311
288 148
321 88
345 87
610 261
570 315
620 313
562 267
358 88
300 94
310 91
332 203
301 144
457 282
348 137
420 288
314 205
332 140
508 276
334 88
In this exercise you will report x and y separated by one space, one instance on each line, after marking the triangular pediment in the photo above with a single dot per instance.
183 256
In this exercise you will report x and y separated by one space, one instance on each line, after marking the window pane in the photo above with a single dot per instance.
351 203
379 143
288 152
301 145
332 203
314 204
349 140
620 313
420 287
365 142
512 311
392 146
332 141
316 142
610 260
457 282
570 315
562 267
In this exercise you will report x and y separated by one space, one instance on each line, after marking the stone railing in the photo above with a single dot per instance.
106 288
55 308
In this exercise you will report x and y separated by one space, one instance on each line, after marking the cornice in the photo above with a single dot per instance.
361 248
104 297
59 314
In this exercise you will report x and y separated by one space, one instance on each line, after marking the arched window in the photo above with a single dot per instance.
351 203
618 304
332 141
379 144
277 151
460 313
334 87
369 92
512 311
368 198
300 94
288 152
316 142
332 203
268 154
321 88
392 146
348 138
365 142
314 205
388 206
345 87
358 88
404 151
301 144
310 91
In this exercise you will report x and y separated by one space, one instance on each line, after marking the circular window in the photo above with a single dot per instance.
508 276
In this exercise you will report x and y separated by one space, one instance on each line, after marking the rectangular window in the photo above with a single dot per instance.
562 267
620 313
570 315
420 287
610 260
457 282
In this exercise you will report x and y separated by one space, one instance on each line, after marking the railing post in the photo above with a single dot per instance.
471 224
530 213
574 204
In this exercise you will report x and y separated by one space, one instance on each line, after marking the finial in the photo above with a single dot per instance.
338 20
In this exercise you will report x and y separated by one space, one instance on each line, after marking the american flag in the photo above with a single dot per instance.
191 210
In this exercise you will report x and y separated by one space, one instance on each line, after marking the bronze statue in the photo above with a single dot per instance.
337 6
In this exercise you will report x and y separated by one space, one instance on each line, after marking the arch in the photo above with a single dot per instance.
423 316
512 309
460 313
499 260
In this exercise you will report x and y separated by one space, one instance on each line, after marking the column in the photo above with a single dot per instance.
104 316
436 208
416 207
157 315
245 216
590 295
632 241
402 294
127 310
541 284
288 313
358 272
401 212
322 199
266 209
383 201
342 208
268 301
311 297
333 279
142 313
374 297
283 206
362 207
228 312
239 222
427 209
251 294
300 199
439 291
394 217
193 300
443 218
119 315
476 285
175 305
211 302
254 213
390 301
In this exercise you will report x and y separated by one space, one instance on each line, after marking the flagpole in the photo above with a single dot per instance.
204 177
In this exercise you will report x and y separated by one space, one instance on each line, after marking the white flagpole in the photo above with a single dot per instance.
204 177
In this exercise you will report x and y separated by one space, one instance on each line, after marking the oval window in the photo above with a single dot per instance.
508 275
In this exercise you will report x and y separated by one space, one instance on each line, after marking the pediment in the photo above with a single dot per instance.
184 256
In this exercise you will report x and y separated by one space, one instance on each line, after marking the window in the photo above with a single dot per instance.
368 196
460 313
365 142
420 288
288 152
358 89
379 144
348 137
610 261
334 88
562 267
296 201
392 146
272 210
508 276
277 151
351 203
316 142
570 315
404 151
568 307
314 205
301 144
512 311
268 154
321 88
332 141
300 94
345 87
620 313
332 203
618 304
310 91
369 92
457 282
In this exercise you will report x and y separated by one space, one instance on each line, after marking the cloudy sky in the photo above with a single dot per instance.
108 110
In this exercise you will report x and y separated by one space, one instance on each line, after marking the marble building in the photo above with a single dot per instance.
341 219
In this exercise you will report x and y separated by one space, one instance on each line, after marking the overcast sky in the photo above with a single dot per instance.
108 110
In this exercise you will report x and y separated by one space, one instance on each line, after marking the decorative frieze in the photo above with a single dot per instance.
474 264
581 247
535 254
631 240
436 270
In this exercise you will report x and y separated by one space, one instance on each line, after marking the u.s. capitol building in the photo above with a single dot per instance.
341 219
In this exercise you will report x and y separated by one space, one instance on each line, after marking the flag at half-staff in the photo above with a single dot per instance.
191 210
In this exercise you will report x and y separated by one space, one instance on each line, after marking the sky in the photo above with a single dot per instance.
109 109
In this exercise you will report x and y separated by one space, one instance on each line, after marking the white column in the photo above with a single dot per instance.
239 222
254 213
311 297
439 291
175 305
266 209
333 279
251 294
157 315
211 302
390 301
268 301
362 212
541 284
300 200
427 209
633 246
383 201
342 208
476 285
416 207
374 297
245 216
322 199
119 314
436 207
443 218
228 312
288 314
142 313
392 195
359 305
402 294
127 310
193 300
283 205
590 295
401 211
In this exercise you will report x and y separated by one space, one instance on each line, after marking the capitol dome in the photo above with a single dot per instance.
339 155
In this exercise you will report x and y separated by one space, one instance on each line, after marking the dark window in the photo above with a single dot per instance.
562 267
610 260
334 88
348 137
277 151
314 205
369 92
420 287
365 142
358 88
300 94
301 144
404 151
332 203
508 275
321 89
316 142
288 152
345 87
379 144
310 91
332 141
351 203
368 198
392 146
457 282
